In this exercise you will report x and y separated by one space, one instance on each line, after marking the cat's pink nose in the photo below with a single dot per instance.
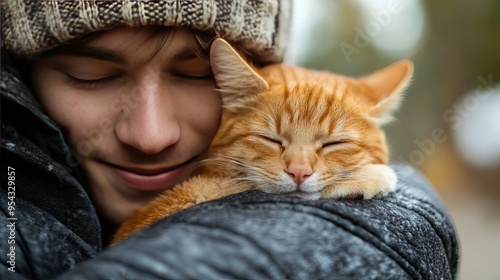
299 172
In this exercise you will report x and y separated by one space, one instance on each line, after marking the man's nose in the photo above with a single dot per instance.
148 122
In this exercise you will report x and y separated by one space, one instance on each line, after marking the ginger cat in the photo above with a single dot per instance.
293 131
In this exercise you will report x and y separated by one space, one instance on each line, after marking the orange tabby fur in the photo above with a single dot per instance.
291 131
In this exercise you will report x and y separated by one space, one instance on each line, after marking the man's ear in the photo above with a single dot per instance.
386 88
236 79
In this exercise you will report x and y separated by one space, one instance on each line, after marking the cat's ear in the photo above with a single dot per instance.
386 88
237 81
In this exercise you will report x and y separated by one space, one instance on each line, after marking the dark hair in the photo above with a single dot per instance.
203 39
202 42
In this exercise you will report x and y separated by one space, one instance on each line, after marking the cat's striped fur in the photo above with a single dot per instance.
291 131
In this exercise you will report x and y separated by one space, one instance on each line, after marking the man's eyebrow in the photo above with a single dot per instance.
89 51
186 54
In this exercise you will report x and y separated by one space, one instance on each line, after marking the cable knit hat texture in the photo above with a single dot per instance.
32 27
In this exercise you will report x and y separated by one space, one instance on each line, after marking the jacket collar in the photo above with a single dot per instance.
32 140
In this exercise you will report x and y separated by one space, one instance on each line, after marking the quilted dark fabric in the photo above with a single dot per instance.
252 235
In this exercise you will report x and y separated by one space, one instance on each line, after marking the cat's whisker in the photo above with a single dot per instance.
260 183
357 106
241 167
346 117
359 178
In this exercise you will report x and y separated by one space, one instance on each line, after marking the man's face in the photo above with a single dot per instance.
138 112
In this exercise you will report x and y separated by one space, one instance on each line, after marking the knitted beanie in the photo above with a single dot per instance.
32 27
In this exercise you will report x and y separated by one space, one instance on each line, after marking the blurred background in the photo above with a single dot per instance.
449 125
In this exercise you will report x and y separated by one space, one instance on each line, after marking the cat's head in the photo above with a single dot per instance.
288 129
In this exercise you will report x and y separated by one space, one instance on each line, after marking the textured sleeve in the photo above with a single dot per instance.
252 235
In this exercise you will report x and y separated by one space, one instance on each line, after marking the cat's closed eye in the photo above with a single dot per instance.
271 139
334 143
